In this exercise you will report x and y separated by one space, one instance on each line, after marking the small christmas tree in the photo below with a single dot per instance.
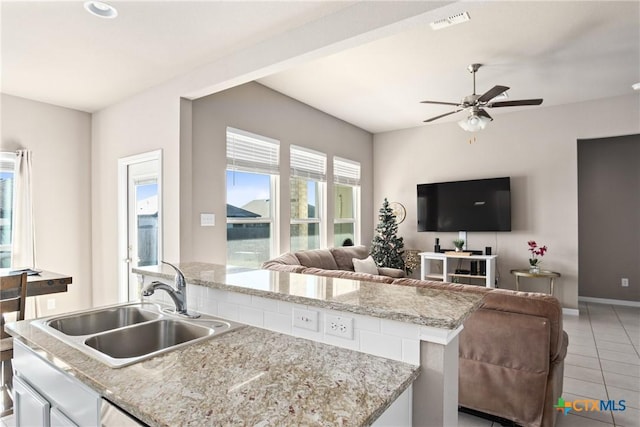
386 247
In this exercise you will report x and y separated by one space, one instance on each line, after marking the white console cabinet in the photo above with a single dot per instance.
450 261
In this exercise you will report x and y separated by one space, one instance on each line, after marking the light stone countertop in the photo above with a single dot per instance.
423 306
248 376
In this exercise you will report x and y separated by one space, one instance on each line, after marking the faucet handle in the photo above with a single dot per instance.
180 281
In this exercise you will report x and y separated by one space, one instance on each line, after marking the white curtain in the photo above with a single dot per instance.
23 244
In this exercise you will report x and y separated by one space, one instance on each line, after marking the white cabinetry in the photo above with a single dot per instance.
448 273
47 396
30 408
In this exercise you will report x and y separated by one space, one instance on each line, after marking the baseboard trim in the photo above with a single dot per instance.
609 301
571 311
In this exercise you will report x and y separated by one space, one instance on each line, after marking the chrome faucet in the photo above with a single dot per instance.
177 294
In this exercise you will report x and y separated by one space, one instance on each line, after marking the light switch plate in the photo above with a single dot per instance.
207 219
305 319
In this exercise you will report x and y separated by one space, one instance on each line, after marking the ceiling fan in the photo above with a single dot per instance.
476 104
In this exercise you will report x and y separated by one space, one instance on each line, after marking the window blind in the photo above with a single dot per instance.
309 164
7 161
346 172
248 152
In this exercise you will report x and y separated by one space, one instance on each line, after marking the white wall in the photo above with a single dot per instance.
60 140
537 148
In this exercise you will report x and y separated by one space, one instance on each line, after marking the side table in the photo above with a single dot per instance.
541 274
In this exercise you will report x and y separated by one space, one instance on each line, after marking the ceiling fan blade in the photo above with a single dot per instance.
492 93
515 103
482 112
439 102
442 115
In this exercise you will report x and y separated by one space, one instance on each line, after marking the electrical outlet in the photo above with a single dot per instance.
51 304
624 282
339 326
305 319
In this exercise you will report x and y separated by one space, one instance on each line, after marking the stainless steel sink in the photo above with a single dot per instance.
129 333
102 320
148 338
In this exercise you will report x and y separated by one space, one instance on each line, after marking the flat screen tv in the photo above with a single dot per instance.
476 205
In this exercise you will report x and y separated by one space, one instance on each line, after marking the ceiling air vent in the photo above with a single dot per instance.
451 20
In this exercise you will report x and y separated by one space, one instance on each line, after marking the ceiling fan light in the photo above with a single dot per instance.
474 123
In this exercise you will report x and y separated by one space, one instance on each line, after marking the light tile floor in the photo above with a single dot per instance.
603 362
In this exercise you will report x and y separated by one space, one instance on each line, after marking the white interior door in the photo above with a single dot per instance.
140 219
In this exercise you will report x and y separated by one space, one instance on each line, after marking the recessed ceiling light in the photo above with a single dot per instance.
636 86
100 9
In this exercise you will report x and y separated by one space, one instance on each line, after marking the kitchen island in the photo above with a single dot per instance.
412 324
248 376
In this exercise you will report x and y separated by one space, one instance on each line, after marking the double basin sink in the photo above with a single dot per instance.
125 334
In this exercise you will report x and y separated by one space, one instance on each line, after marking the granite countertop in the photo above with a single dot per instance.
248 376
439 308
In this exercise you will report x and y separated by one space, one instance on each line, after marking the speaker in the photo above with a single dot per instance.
436 248
487 250
474 268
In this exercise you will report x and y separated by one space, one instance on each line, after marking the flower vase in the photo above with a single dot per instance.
534 268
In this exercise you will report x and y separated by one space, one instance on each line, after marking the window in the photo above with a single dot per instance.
346 226
7 165
252 173
308 178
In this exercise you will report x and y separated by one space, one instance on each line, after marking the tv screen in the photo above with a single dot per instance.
476 205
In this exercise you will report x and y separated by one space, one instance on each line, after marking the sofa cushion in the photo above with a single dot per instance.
285 267
459 287
318 258
286 258
367 265
344 256
395 273
533 304
351 275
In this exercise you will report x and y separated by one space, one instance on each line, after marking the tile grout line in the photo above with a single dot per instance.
625 331
604 382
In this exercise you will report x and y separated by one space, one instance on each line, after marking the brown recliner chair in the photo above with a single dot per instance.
512 353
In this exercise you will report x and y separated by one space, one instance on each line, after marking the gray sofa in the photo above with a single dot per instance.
333 262
512 349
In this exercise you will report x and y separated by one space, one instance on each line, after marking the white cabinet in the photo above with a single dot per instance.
29 407
451 264
47 396
58 419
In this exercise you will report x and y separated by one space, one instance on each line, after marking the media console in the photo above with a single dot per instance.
450 261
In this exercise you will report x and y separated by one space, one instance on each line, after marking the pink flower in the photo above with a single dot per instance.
536 250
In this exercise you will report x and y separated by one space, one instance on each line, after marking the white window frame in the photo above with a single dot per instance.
353 181
7 164
274 184
318 174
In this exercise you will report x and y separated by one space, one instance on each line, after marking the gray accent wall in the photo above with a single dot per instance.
609 217
257 109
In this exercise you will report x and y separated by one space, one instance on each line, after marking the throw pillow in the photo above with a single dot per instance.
367 265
